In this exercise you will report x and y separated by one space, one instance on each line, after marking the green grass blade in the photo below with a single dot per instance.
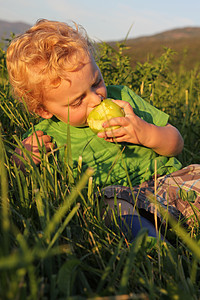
5 210
59 214
64 225
129 264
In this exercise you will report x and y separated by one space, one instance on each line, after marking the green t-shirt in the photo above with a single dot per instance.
113 163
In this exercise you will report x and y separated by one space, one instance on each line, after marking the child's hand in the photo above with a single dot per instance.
131 128
164 140
31 144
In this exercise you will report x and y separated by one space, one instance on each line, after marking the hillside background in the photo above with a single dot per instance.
184 41
6 28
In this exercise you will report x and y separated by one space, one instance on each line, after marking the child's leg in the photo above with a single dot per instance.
128 218
178 192
181 190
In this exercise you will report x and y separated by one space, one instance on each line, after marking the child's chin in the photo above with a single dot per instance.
81 125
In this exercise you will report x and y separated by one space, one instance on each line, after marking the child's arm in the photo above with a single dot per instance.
165 140
31 144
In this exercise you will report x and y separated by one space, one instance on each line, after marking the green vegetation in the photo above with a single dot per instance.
54 241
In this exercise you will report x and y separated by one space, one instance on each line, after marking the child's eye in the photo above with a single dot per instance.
97 83
77 103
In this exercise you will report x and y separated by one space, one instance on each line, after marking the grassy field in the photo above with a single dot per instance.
54 241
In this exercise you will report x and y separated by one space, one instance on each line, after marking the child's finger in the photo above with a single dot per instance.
119 121
49 146
125 105
46 138
110 133
39 133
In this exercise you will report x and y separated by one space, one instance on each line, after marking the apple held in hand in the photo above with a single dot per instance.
105 111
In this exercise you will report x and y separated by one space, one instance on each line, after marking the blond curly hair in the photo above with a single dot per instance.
42 56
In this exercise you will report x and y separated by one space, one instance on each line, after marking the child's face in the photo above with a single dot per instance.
79 94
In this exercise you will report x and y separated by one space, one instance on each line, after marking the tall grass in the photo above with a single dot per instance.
53 237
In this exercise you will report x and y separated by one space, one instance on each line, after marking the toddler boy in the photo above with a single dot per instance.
51 66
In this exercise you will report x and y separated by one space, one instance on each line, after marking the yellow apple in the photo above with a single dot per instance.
105 111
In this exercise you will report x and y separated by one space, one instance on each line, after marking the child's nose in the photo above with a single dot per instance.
96 100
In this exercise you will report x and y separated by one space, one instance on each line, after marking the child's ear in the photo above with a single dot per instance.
45 114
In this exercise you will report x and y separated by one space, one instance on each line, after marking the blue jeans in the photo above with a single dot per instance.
133 224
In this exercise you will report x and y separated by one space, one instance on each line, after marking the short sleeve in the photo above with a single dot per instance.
141 108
